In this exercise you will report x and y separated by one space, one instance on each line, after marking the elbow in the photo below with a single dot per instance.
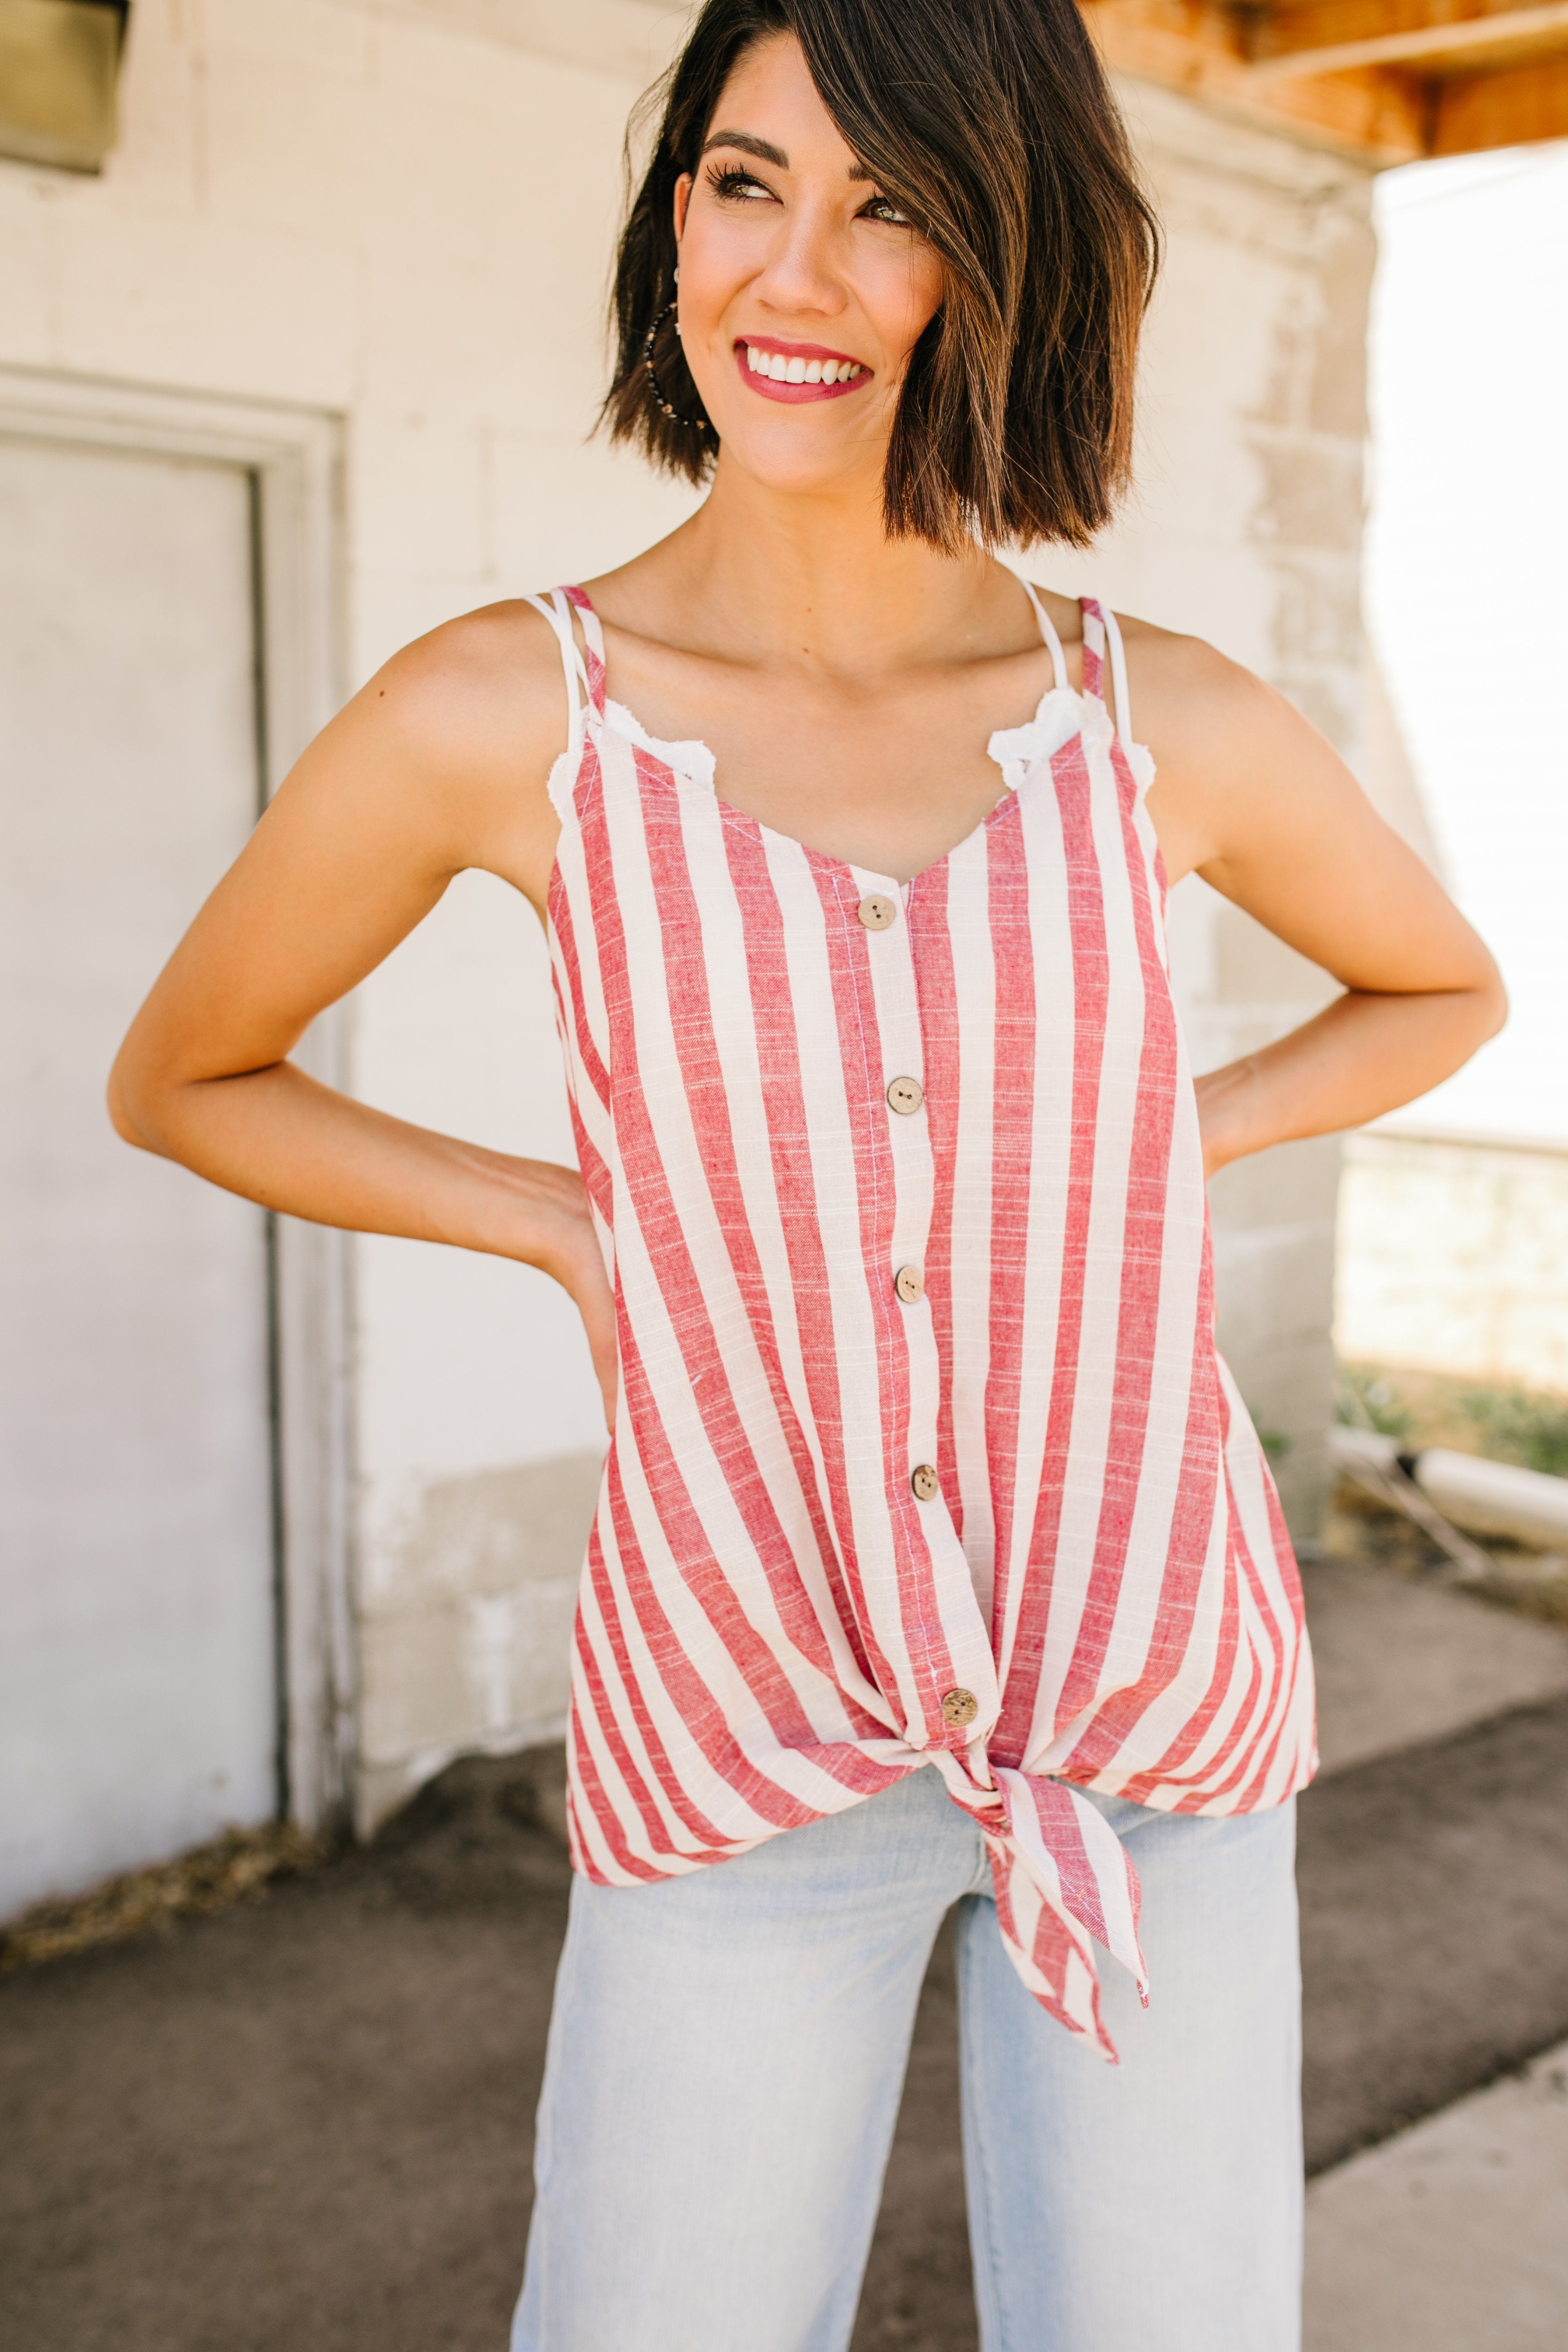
123 1118
1491 1005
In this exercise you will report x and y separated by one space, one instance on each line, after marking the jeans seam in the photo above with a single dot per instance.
993 2265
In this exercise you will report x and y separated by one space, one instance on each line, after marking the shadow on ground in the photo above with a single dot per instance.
305 2122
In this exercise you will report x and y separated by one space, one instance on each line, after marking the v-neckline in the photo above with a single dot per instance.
625 722
1089 707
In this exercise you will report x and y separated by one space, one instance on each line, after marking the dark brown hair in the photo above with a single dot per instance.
990 123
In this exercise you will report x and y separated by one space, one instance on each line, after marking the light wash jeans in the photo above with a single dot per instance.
726 2056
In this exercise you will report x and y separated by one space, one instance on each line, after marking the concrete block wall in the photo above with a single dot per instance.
1452 1257
400 212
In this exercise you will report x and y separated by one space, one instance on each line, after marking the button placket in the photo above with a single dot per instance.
965 1634
890 950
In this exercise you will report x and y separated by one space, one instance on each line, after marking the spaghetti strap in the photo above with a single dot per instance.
558 614
1102 637
1048 631
594 638
1118 679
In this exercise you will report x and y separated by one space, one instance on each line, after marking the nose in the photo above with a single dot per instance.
802 273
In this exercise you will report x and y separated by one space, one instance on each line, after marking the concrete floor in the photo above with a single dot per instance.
1454 2236
304 2123
1401 1664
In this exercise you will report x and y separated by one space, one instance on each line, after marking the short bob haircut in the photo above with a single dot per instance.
990 123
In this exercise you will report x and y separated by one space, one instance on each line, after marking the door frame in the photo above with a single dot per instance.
293 461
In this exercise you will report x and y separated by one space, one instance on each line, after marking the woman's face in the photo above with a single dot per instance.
803 290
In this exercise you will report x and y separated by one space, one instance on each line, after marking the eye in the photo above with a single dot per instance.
731 185
883 208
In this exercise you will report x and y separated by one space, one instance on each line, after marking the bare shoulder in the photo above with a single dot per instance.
1233 757
467 721
484 693
1198 711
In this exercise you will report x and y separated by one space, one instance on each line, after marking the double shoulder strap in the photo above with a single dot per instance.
1101 638
579 698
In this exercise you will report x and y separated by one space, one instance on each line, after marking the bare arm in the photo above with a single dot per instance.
1251 797
438 764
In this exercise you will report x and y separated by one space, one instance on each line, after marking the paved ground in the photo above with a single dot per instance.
1450 2238
304 2124
301 2126
1401 1664
1434 1925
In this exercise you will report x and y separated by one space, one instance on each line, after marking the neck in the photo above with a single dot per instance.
814 578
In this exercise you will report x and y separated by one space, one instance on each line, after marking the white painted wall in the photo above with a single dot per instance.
401 214
1452 1257
401 211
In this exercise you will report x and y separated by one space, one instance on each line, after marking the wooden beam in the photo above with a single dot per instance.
1378 115
1501 110
1287 48
1323 24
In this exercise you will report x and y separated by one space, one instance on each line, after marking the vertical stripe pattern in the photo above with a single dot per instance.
1095 1589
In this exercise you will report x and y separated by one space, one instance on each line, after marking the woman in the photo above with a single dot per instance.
937 1561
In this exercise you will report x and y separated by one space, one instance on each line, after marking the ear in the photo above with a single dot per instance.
683 187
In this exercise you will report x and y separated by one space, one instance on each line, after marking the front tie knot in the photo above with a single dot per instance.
1063 1882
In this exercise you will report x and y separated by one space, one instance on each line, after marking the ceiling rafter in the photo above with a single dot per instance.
1446 48
1386 82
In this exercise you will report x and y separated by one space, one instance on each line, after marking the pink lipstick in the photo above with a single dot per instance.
793 371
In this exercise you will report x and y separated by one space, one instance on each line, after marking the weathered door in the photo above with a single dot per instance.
137 1680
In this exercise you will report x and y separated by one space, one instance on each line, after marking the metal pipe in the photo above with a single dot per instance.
1495 1499
1492 1498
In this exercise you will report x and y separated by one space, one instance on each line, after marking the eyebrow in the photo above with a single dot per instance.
765 152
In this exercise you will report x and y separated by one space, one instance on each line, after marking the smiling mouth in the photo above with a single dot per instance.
799 371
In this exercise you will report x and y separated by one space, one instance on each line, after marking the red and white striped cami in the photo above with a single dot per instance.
923 1453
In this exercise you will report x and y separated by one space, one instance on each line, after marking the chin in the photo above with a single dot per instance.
801 463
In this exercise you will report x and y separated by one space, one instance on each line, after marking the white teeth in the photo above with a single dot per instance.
798 371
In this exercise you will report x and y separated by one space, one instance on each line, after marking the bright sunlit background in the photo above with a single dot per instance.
1467 582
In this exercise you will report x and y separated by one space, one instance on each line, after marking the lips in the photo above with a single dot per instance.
795 372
